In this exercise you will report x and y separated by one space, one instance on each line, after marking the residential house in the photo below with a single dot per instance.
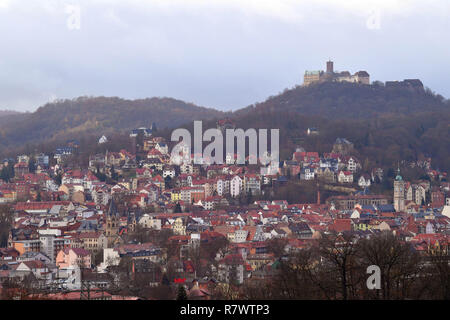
345 177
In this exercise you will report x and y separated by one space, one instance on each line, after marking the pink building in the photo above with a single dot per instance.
73 257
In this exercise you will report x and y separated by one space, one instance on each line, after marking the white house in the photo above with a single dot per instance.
307 174
252 183
223 187
148 221
239 236
364 181
236 186
162 147
169 172
187 168
102 140
230 158
352 164
345 177
355 214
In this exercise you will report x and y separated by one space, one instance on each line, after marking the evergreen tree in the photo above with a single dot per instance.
58 179
32 165
11 170
5 224
114 175
249 196
4 175
7 172
165 280
182 295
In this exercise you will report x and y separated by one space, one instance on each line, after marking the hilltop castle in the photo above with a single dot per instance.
330 75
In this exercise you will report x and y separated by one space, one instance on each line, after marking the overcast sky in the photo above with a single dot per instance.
224 54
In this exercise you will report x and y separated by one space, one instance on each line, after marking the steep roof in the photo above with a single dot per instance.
112 211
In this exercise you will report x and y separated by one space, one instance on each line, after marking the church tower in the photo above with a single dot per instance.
399 193
112 223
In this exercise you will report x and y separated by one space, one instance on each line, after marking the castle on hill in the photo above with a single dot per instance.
330 75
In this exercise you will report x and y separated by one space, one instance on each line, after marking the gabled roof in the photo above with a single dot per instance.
78 251
34 264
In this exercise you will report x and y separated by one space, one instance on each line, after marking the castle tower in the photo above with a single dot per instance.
330 67
132 219
399 193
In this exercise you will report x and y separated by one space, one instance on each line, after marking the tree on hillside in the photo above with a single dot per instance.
6 219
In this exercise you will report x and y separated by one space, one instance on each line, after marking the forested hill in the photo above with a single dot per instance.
346 100
4 113
386 124
100 115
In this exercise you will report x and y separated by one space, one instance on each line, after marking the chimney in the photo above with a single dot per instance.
318 194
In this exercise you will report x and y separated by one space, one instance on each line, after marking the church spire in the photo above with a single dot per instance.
398 177
112 211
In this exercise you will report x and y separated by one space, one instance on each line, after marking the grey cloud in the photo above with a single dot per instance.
223 54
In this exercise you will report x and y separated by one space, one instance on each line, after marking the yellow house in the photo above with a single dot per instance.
362 226
257 261
27 246
126 185
175 195
91 241
9 196
178 227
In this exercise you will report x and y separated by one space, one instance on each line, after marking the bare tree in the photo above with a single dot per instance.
338 257
297 277
6 218
436 275
398 261
276 246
